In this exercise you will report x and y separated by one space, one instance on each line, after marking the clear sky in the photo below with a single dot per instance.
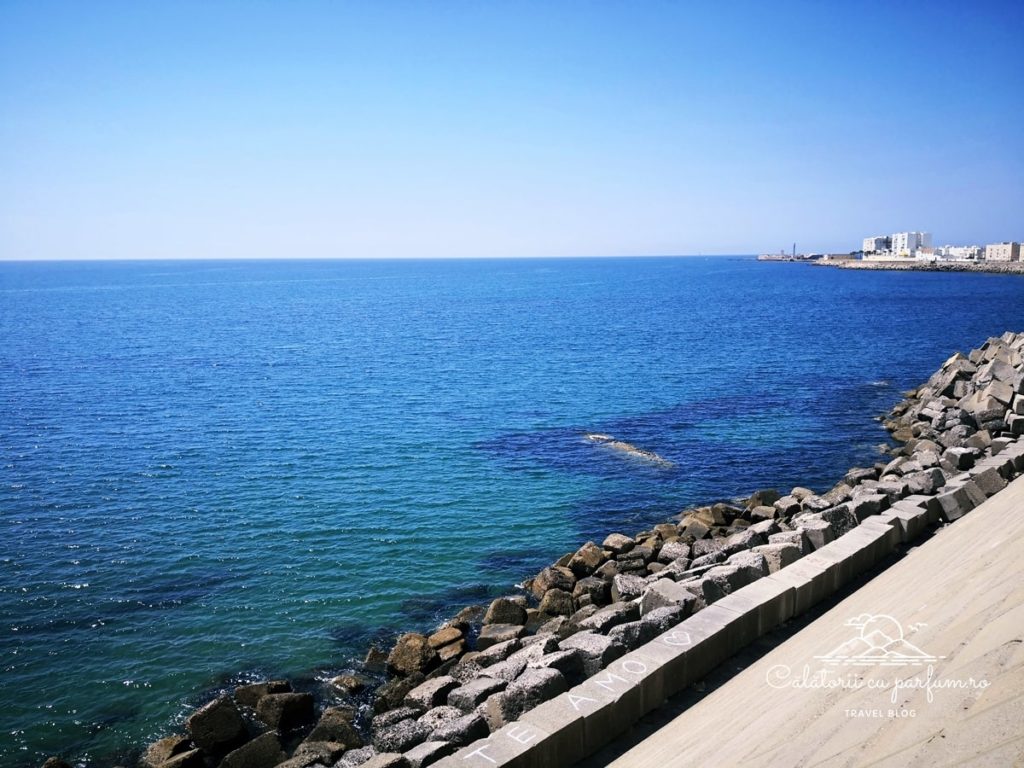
346 129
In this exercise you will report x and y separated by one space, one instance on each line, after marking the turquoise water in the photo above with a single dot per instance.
210 469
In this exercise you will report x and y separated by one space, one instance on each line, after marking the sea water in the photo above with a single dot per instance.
215 470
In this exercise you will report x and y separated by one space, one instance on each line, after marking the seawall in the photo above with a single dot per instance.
990 267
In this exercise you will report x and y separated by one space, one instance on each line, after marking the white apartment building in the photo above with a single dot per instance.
875 244
961 252
907 244
1003 252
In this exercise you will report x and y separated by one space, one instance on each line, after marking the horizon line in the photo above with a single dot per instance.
89 259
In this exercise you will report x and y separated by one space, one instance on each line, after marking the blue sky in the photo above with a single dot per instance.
334 129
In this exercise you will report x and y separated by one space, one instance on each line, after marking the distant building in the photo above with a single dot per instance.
907 244
960 252
876 244
926 254
1002 252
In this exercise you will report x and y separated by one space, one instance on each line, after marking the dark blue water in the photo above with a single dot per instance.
214 468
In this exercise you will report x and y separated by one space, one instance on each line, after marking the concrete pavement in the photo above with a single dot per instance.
922 666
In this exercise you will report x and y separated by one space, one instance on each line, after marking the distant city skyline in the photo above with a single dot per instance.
366 130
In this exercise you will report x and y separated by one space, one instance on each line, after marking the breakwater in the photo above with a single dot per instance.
908 265
547 674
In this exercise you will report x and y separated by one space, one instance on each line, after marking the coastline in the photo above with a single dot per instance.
488 665
987 267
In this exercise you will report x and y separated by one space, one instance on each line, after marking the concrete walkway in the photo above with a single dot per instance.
958 598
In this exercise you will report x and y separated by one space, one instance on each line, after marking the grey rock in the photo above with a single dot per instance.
401 736
286 711
469 696
712 558
218 726
557 602
193 758
673 550
778 555
787 505
428 753
497 652
721 581
249 695
598 589
438 716
558 577
704 547
335 725
843 519
753 563
392 693
586 560
858 475
743 540
462 731
432 692
163 750
763 498
666 617
609 616
412 653
626 587
796 538
664 595
505 611
989 481
387 760
533 687
569 662
764 513
597 651
356 757
495 634
618 543
507 670
632 634
816 531
389 718
262 752
862 506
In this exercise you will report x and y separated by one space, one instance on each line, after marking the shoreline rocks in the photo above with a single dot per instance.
489 665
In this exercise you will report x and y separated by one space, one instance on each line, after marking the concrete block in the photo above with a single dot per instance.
954 502
516 745
998 444
976 495
988 480
852 553
741 625
809 580
561 725
883 539
692 649
666 592
771 601
817 532
838 570
646 671
1002 463
1015 451
778 555
911 521
611 701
